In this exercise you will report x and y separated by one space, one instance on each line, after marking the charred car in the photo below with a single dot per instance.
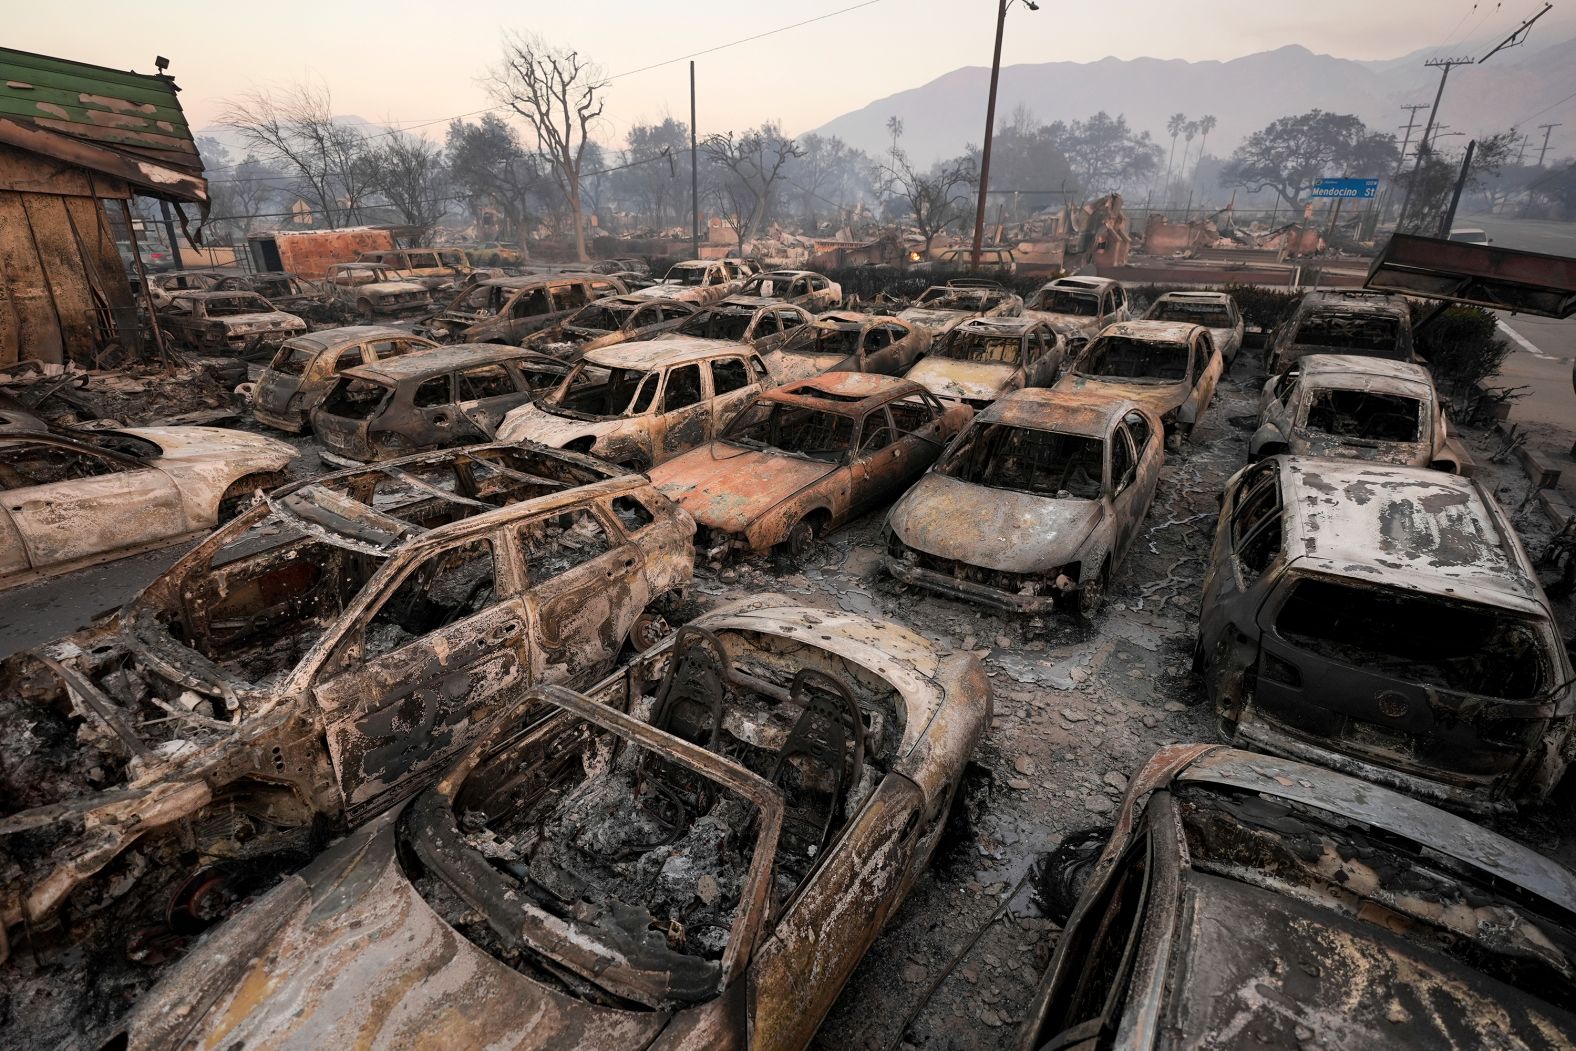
162 286
984 358
1244 901
847 341
284 291
320 659
1168 368
802 288
1386 622
374 291
1373 324
1216 311
693 854
291 385
1034 505
227 321
1079 307
763 327
609 322
807 458
698 281
942 307
72 499
642 403
433 268
1355 408
508 309
428 399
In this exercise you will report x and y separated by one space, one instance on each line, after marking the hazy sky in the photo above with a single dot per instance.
406 62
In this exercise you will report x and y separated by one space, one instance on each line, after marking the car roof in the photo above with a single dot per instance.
1208 297
325 338
1079 411
421 364
662 353
557 277
844 393
1001 326
206 294
1082 284
1409 527
1329 368
836 318
1354 300
1155 331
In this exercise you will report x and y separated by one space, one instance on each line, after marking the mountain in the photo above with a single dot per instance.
942 117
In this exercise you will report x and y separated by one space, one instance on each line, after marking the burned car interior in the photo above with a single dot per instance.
1364 415
1026 460
1137 360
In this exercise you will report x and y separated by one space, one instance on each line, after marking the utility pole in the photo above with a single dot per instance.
1411 122
1522 153
990 127
694 175
1448 219
1544 149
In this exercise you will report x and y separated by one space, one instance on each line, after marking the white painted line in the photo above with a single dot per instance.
1523 342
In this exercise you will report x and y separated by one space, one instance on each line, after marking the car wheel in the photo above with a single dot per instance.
650 628
801 538
238 497
1091 596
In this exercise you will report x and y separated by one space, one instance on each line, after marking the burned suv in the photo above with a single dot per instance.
319 659
1384 621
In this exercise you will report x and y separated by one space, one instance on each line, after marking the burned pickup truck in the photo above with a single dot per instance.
1385 621
319 659
693 855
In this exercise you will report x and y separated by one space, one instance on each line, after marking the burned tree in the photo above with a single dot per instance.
744 171
411 174
488 163
297 131
1429 183
558 93
937 199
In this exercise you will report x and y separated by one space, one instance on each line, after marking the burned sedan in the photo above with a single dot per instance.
802 288
1244 901
1079 307
848 341
609 322
1169 369
642 403
1034 505
227 322
763 326
695 854
1355 408
508 309
375 292
984 358
1348 321
1216 311
317 660
1385 621
428 399
73 499
290 386
807 458
942 307
698 281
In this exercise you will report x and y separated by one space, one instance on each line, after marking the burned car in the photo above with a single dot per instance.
77 498
374 291
984 358
162 286
642 403
803 288
698 281
434 268
1386 622
1373 324
693 854
1079 307
942 307
764 327
428 399
848 341
807 458
1168 368
1216 311
1035 504
321 658
1244 901
291 385
227 321
285 291
609 322
1355 408
508 309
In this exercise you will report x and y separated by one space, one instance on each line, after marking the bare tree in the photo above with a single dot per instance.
295 129
411 174
936 199
559 95
744 172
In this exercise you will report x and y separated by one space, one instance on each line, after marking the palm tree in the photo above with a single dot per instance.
1174 125
1206 124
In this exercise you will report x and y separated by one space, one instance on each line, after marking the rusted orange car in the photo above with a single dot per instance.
848 341
808 457
693 855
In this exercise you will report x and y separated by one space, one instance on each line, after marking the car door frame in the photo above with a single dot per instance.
659 423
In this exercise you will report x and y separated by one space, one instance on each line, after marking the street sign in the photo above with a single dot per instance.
1346 189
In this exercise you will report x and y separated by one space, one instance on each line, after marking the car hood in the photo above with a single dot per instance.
995 528
1158 398
212 443
347 954
273 318
728 488
389 288
533 423
929 317
968 380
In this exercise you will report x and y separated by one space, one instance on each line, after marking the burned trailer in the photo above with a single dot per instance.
1385 621
1243 901
695 853
316 661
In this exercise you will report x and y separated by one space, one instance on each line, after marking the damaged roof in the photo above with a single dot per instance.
436 360
1411 527
325 338
1371 373
126 125
1086 412
845 393
661 353
1153 331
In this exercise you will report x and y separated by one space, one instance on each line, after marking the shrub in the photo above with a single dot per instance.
1461 346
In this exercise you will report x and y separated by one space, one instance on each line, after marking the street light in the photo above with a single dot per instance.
990 122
